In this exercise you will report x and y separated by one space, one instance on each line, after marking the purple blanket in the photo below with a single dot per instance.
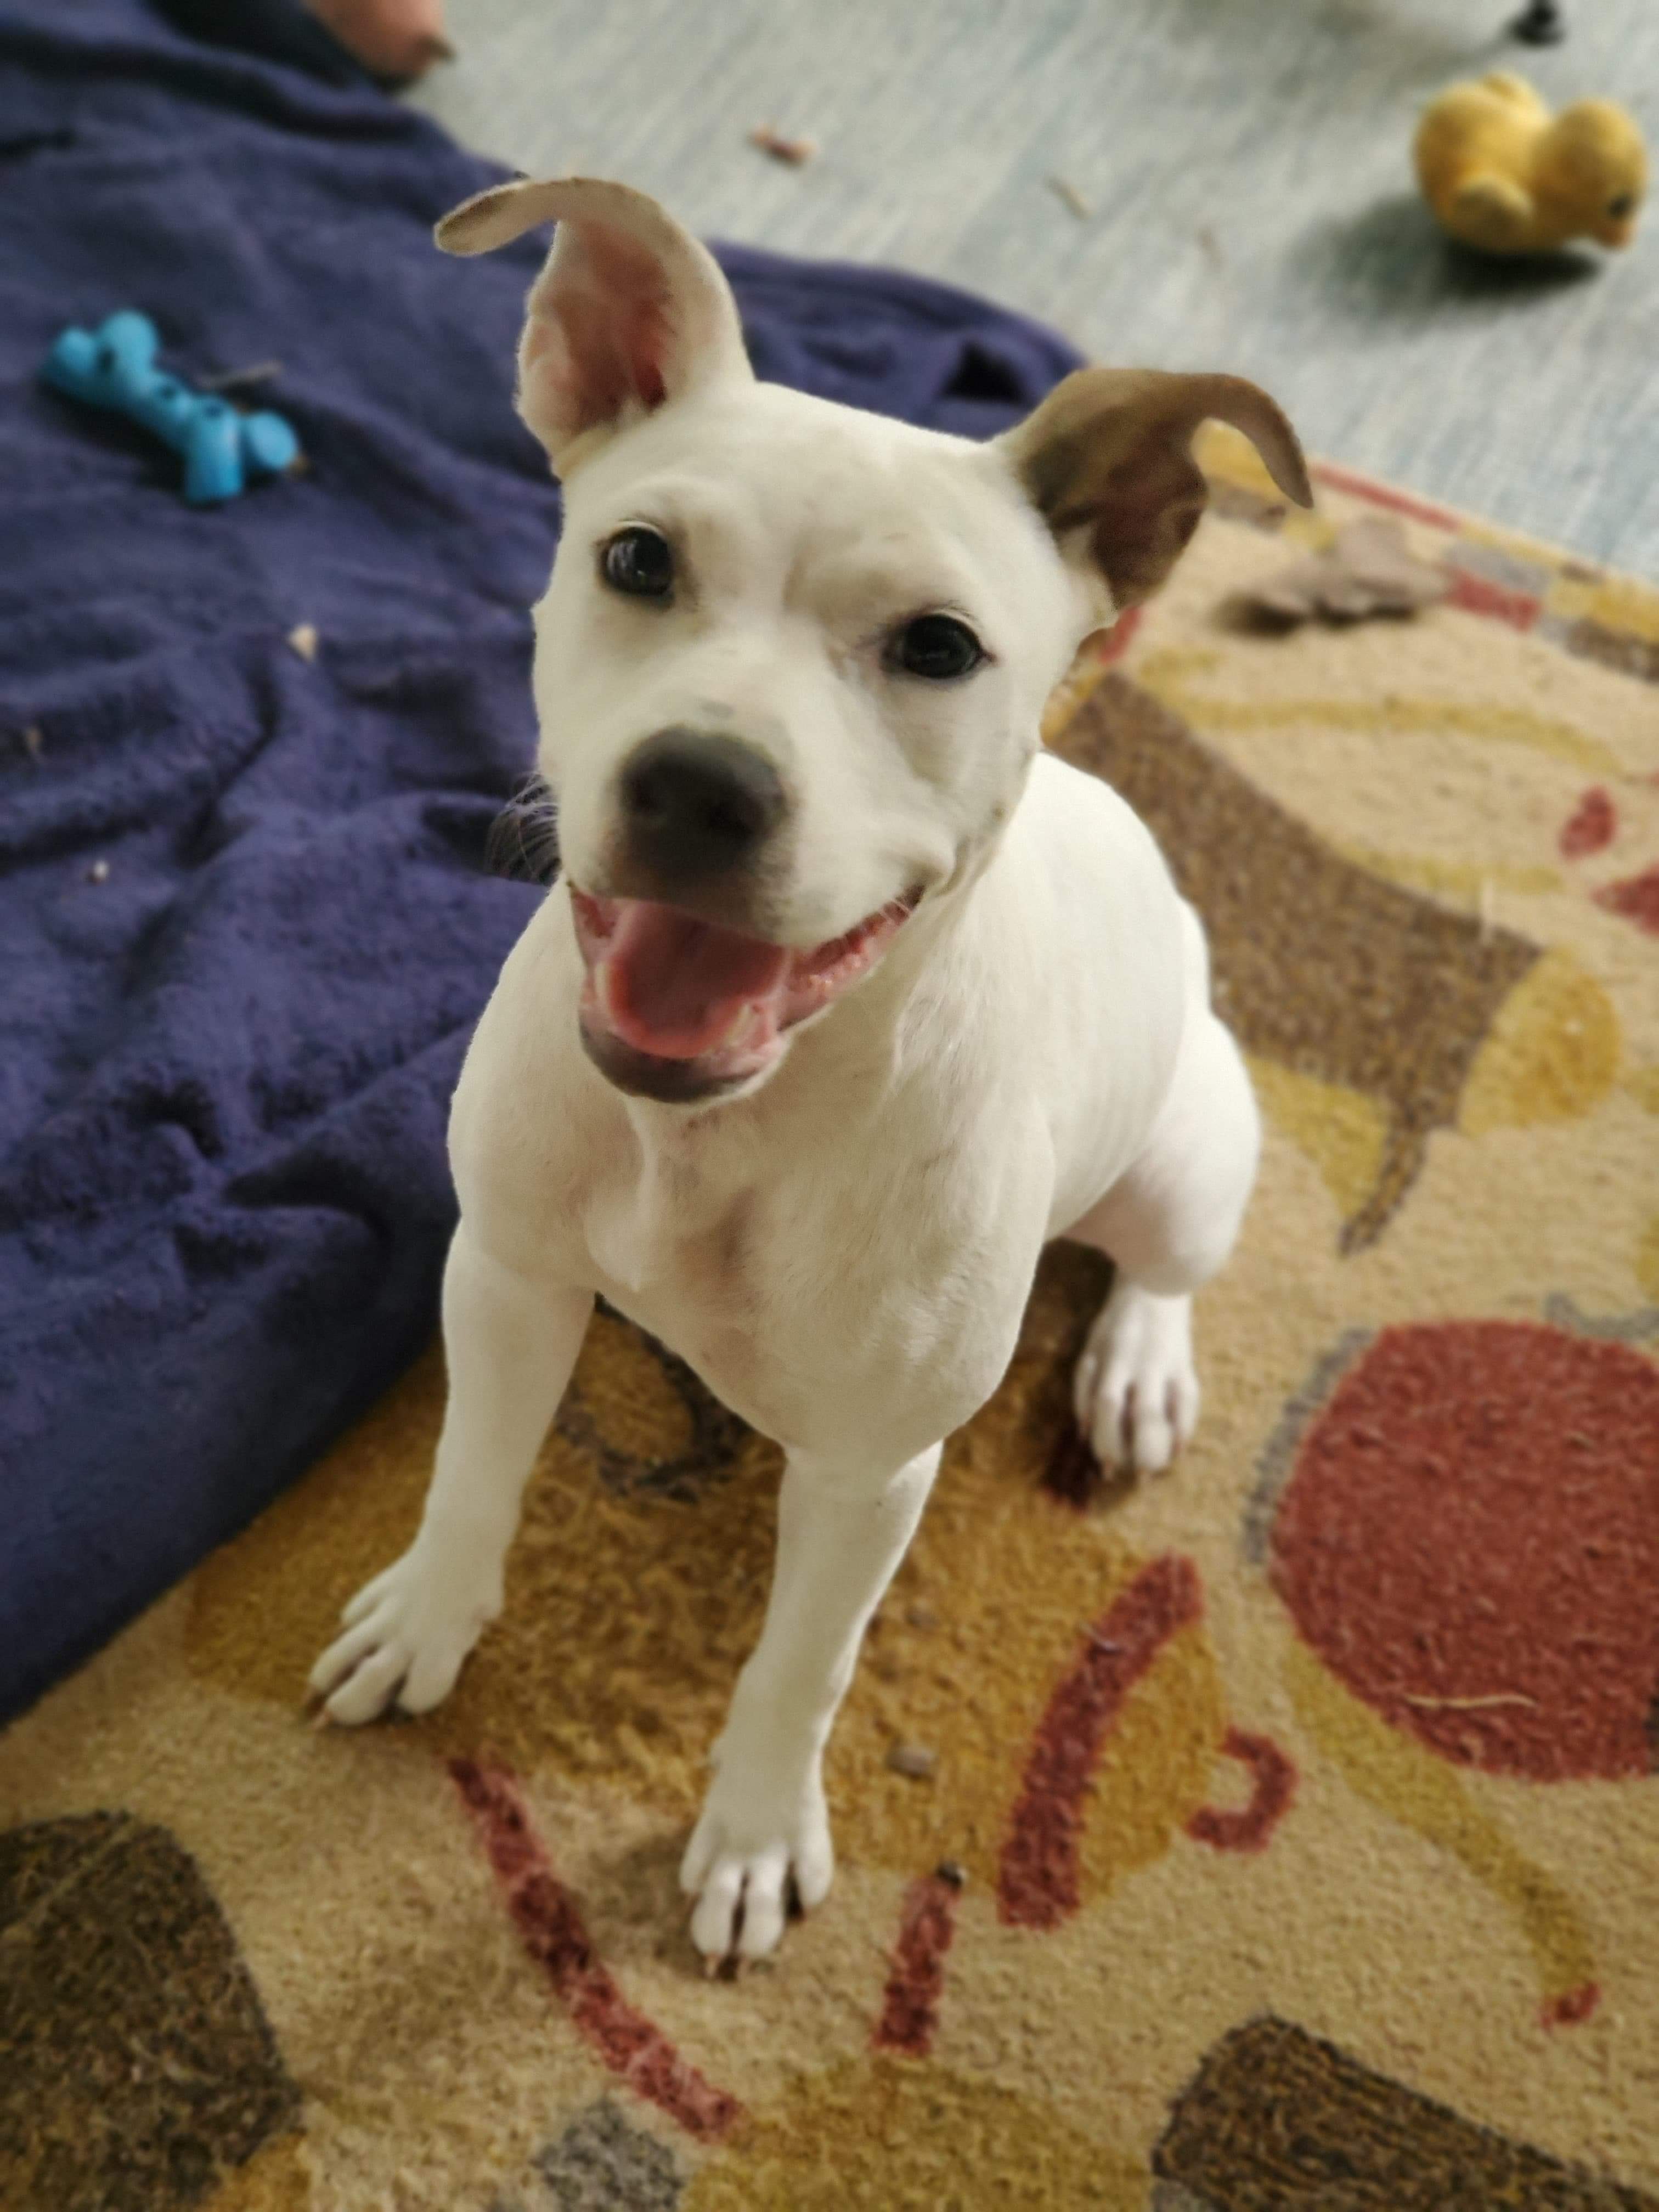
246 918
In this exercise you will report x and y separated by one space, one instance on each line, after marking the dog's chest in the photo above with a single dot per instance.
828 1309
690 1263
674 1235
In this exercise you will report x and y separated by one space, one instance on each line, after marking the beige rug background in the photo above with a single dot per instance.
1300 1831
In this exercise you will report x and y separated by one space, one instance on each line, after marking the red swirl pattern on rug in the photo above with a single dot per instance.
1470 1542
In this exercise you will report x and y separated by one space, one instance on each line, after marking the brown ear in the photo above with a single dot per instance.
1109 451
629 313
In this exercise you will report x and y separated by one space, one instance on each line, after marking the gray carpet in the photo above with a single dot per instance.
1246 167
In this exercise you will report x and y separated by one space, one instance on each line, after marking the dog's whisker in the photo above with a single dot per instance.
523 843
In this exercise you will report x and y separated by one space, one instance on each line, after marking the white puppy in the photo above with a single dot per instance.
849 997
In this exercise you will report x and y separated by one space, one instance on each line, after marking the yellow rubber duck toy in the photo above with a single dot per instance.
1503 174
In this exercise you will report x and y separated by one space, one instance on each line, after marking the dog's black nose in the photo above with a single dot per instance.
697 804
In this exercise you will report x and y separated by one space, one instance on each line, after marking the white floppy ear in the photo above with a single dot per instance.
629 313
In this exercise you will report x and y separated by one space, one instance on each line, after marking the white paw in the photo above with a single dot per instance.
406 1635
1135 1390
761 1830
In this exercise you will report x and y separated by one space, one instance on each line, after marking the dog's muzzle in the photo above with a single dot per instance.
678 1008
682 1000
694 807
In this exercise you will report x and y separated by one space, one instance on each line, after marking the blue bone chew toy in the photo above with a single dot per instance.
115 366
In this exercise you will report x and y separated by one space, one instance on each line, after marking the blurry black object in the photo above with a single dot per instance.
1540 23
276 30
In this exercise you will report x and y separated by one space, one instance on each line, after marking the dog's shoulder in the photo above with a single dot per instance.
1081 879
1081 820
1095 944
529 1116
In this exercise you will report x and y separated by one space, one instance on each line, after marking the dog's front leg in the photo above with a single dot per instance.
510 1344
842 1534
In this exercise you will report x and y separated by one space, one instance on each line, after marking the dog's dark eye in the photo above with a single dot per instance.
939 647
1624 206
639 562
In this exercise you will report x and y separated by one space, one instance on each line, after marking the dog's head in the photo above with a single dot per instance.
791 667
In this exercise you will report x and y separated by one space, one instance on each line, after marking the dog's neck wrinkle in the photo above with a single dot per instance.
635 1222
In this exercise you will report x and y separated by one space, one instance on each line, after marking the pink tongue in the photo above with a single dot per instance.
674 986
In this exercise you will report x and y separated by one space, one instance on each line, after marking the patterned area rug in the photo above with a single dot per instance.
1282 1836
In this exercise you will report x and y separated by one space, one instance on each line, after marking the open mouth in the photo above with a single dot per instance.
678 1008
